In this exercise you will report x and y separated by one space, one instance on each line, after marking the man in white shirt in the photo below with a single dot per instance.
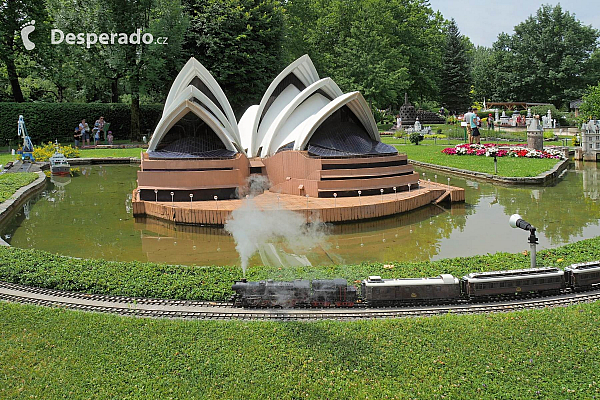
468 118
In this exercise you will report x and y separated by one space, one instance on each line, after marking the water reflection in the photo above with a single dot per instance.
90 216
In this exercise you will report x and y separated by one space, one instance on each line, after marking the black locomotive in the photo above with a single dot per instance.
269 293
446 288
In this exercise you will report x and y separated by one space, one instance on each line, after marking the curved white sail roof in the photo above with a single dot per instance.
179 111
355 102
197 91
284 88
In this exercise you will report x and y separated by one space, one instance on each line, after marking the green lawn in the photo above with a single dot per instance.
103 153
56 354
507 166
9 183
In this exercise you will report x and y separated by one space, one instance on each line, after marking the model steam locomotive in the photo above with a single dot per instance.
445 288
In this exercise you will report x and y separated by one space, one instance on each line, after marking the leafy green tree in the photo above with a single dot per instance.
382 48
483 73
547 59
590 107
456 71
14 15
239 42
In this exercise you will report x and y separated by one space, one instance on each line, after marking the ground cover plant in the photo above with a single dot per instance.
55 353
507 166
143 279
10 183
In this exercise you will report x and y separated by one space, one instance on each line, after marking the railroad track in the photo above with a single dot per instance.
191 309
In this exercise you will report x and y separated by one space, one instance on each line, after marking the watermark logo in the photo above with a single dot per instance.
89 39
25 31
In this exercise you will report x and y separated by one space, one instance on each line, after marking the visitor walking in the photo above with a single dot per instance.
110 137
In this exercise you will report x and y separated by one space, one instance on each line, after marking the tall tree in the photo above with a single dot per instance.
547 59
483 73
15 15
382 48
239 42
456 71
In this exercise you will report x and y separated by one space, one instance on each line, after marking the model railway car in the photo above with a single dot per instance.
379 292
446 288
584 275
502 283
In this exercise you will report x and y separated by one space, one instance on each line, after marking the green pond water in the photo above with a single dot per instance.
90 216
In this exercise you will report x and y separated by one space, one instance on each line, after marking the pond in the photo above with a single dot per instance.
90 216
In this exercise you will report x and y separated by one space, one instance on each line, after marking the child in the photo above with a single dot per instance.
97 137
110 137
77 136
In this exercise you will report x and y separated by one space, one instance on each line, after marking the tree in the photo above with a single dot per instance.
456 74
239 42
590 107
382 48
547 59
483 73
14 15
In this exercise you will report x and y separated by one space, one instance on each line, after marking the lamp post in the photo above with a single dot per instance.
172 201
395 193
155 195
409 188
381 190
216 202
435 176
334 200
191 199
448 183
516 221
359 192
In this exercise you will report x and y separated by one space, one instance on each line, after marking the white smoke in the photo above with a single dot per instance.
253 229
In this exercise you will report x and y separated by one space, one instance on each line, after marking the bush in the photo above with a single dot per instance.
50 121
43 153
415 137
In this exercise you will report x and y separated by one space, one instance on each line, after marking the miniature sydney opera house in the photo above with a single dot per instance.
306 136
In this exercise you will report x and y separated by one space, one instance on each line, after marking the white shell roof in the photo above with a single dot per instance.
219 116
284 115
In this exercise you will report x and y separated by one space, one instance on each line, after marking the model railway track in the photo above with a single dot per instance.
190 309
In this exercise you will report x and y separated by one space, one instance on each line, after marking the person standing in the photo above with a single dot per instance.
77 136
475 135
468 119
84 128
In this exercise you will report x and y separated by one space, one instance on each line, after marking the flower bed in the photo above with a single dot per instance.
491 150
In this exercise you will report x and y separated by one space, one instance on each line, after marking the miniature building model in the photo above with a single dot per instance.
590 140
306 136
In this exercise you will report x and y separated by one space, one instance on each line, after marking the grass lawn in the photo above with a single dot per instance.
507 166
54 353
103 153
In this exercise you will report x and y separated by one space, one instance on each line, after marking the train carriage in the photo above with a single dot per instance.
377 291
513 282
583 276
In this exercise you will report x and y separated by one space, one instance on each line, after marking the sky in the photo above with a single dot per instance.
485 19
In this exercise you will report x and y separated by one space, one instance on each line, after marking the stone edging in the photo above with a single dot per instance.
541 179
19 197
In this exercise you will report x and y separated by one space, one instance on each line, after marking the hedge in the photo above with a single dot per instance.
50 121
